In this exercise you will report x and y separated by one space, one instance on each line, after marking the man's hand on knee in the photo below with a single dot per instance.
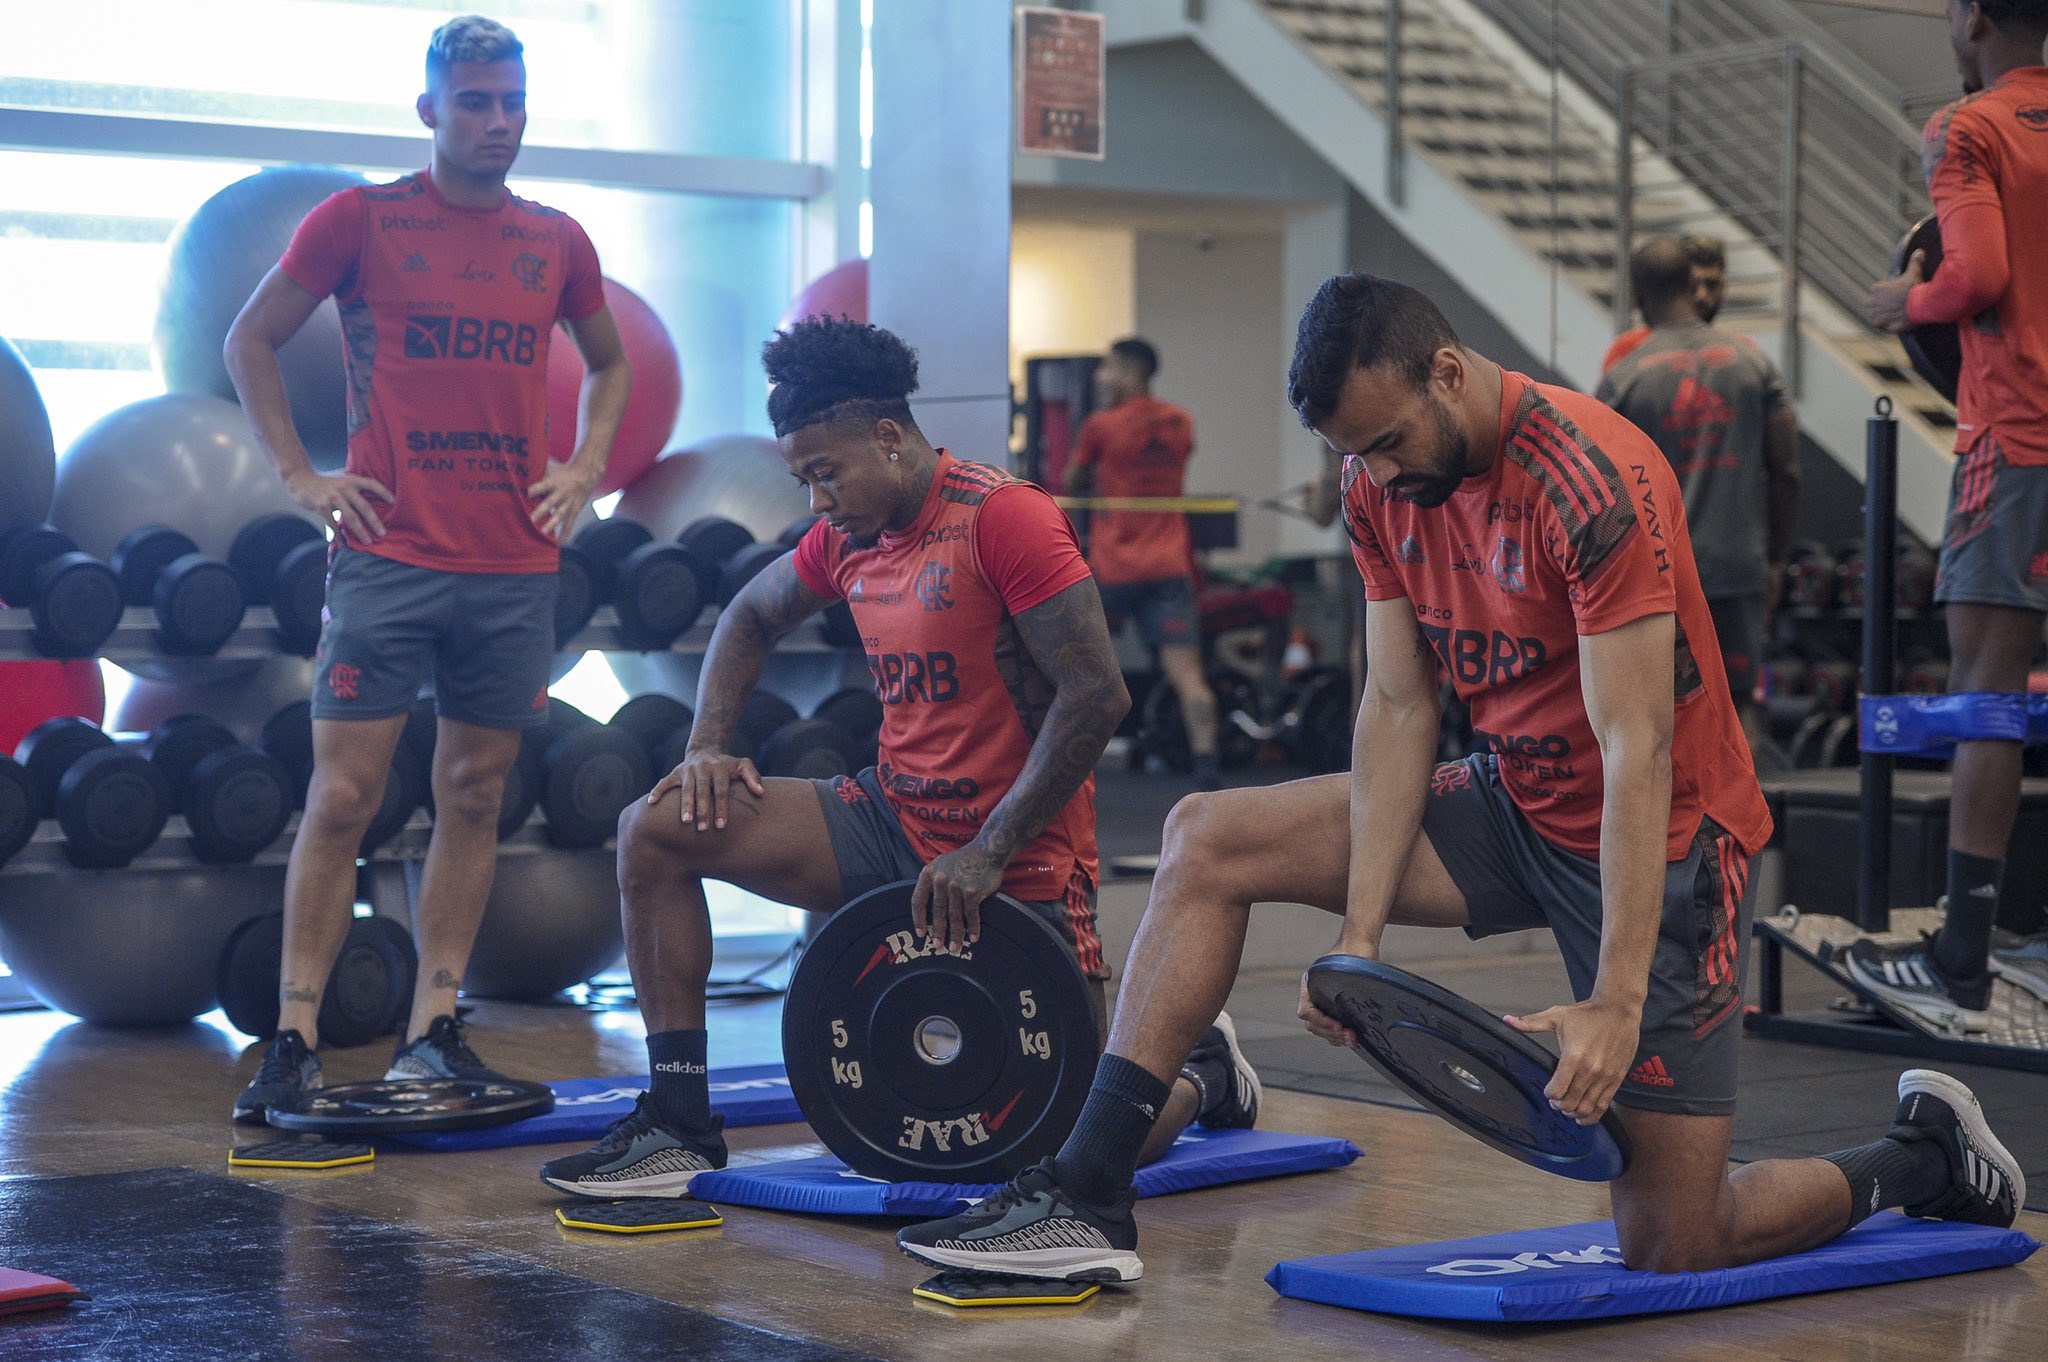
704 780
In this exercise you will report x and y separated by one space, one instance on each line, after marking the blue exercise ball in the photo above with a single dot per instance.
217 258
28 456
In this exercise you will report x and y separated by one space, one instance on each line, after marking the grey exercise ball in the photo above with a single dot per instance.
741 477
552 921
28 456
217 258
241 702
132 946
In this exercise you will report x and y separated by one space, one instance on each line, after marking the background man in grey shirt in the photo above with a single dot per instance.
1717 407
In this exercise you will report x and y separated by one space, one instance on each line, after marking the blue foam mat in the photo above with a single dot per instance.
1200 1158
749 1095
1576 1272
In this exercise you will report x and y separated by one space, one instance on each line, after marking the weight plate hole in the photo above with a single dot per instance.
937 1040
1463 1075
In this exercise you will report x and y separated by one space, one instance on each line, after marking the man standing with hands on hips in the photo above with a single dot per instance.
447 520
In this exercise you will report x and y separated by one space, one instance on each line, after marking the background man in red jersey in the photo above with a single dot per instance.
444 561
1987 169
1530 545
999 687
1139 446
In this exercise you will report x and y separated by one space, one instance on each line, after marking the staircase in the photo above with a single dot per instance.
1507 168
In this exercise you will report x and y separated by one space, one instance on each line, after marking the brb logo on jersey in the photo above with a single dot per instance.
935 586
428 336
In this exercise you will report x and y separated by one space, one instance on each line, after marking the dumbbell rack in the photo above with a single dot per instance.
2018 1038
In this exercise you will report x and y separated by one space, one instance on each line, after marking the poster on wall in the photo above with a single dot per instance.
1059 83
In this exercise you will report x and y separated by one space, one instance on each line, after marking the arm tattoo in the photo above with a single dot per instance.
1068 641
294 994
446 979
775 602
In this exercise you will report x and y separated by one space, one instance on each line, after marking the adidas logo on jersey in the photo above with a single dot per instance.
416 263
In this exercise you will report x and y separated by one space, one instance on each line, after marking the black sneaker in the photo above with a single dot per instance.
441 1053
1906 976
1033 1228
1988 1187
641 1155
288 1069
1236 1106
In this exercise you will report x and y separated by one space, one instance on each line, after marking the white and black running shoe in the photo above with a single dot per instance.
1906 976
441 1053
1236 1106
1988 1187
641 1155
1033 1228
2021 961
288 1069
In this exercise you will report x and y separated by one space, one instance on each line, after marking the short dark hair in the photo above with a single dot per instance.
1660 272
834 369
1137 351
471 38
1360 321
2024 16
1704 251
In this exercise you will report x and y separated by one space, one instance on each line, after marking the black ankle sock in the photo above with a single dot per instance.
1888 1172
1100 1157
1964 942
676 1078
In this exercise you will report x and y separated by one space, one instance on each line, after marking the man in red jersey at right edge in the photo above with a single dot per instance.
1987 169
1529 544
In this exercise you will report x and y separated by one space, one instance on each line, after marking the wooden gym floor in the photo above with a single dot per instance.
80 1099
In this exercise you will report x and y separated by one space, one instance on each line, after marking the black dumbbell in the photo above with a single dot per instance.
281 561
522 778
808 749
1925 673
763 713
1913 577
838 627
654 719
74 599
405 789
1808 742
1809 576
111 802
17 808
1785 715
857 710
575 594
656 587
711 540
288 736
1832 681
1850 585
236 800
745 566
1785 674
368 992
199 600
590 772
793 533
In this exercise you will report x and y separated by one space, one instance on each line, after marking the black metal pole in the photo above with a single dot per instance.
1880 659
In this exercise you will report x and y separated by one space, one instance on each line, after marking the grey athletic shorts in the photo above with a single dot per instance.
1513 880
486 639
872 851
1164 610
1994 549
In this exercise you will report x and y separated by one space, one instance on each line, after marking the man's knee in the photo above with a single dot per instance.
471 791
1669 1236
646 844
1192 830
343 801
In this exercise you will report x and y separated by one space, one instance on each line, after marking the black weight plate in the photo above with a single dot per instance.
808 749
77 605
141 557
236 803
298 597
651 718
522 791
363 989
711 540
793 533
762 714
400 942
859 711
592 773
405 788
248 972
564 717
913 1064
1935 348
576 595
413 1107
178 744
606 544
659 595
261 545
23 550
112 804
288 736
47 751
744 566
17 808
838 626
1465 1064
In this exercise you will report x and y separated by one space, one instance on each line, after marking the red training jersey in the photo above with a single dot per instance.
1138 448
446 315
1987 154
1624 345
962 699
1577 528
